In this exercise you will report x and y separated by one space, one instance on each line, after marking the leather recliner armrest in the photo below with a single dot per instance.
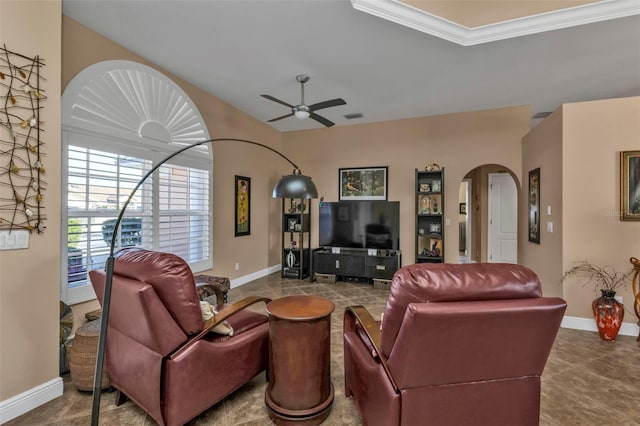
221 316
359 315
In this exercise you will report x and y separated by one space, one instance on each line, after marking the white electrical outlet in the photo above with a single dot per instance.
237 266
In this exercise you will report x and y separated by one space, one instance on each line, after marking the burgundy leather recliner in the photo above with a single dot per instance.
160 353
457 345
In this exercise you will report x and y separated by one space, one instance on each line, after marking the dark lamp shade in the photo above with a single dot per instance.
295 186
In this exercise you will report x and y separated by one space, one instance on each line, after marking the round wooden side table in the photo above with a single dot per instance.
300 391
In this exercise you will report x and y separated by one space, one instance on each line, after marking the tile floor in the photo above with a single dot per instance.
586 381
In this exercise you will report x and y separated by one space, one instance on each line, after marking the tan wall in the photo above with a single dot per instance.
29 290
458 142
83 47
594 133
542 147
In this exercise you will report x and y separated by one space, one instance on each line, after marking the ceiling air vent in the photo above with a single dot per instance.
353 116
544 114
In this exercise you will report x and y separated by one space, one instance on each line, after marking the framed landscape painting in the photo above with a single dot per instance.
363 183
630 185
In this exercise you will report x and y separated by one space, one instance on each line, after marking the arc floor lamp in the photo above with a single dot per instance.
295 185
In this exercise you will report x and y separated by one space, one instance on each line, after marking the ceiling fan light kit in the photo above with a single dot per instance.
302 111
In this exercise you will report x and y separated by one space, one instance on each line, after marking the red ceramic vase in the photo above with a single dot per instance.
609 314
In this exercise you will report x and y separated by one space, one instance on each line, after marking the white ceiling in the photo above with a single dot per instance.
238 50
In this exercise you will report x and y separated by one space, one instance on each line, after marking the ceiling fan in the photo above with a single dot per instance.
302 110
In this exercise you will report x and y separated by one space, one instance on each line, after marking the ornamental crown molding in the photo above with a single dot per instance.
403 14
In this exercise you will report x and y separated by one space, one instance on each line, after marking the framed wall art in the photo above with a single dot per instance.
630 185
363 183
243 206
534 206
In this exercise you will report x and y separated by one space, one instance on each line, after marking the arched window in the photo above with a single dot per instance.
118 119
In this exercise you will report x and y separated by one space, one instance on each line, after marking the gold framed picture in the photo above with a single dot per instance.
243 206
630 185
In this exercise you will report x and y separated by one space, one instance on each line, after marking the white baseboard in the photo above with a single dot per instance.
589 324
28 400
236 282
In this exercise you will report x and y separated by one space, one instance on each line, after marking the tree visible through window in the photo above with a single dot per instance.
98 184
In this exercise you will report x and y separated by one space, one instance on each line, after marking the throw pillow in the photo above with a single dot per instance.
208 312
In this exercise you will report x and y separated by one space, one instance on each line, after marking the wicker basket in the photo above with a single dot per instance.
82 357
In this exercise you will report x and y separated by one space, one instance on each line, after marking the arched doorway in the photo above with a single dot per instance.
488 215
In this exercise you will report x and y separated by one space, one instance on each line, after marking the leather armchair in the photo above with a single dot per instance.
160 353
457 345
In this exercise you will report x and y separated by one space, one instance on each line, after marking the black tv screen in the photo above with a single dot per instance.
360 224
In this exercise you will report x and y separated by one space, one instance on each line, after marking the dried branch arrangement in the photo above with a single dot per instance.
606 277
21 165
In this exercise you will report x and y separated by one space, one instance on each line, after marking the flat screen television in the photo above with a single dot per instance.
360 224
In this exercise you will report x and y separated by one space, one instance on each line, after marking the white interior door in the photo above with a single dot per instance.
503 219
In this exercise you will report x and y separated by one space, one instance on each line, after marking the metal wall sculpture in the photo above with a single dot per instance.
21 164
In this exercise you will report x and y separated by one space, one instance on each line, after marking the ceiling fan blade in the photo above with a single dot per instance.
280 118
271 98
321 119
327 104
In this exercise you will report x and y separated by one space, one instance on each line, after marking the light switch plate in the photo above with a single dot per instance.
14 240
549 227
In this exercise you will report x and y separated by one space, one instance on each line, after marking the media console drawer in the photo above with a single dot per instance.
382 267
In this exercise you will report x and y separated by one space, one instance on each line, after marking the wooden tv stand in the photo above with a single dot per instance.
355 263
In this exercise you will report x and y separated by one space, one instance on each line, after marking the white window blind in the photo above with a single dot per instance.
170 212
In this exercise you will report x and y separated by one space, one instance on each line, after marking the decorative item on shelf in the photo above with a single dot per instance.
636 289
434 208
425 205
607 311
294 206
436 185
292 224
291 259
434 250
425 187
302 207
431 167
435 228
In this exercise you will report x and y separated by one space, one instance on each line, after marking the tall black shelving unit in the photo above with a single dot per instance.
429 216
296 237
